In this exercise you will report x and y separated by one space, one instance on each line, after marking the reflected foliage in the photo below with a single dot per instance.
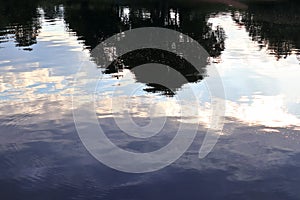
95 23
275 26
151 76
19 18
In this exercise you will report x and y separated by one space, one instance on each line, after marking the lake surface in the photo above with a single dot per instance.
255 48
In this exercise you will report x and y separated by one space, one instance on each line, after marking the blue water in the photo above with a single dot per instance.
255 49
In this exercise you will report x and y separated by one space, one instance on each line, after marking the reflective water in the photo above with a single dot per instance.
254 46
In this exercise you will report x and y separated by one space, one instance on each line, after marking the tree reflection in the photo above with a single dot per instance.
272 26
20 18
267 23
95 23
151 76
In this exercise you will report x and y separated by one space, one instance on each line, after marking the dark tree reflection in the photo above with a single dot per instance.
273 25
21 19
96 22
152 76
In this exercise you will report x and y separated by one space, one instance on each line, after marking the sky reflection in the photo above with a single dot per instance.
257 153
260 90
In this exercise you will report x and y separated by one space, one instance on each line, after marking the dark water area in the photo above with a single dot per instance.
254 45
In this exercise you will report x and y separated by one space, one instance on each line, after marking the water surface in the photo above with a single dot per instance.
255 47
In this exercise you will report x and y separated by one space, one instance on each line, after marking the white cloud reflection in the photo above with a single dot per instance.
260 90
